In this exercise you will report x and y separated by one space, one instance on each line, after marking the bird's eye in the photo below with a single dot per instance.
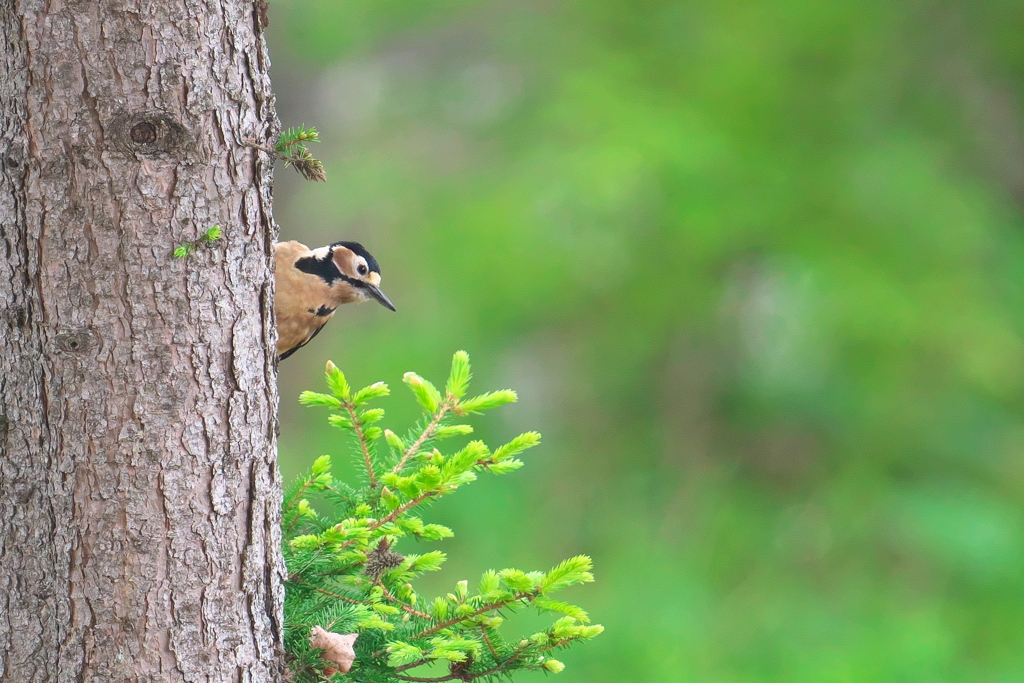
361 270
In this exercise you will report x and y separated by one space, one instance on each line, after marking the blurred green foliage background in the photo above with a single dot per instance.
757 273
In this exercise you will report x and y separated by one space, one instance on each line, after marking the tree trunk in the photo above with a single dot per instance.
139 494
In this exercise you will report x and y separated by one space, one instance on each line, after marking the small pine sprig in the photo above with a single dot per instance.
188 248
291 147
344 575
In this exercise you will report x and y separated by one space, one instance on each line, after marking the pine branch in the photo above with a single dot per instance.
487 640
357 427
395 514
425 435
413 665
291 148
345 543
318 589
450 677
464 675
403 606
497 604
298 514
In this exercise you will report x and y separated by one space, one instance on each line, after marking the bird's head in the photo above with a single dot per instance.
348 265
360 270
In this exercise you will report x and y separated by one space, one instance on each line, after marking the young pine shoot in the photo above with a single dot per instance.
188 248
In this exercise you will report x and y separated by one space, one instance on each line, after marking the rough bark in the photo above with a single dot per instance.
139 494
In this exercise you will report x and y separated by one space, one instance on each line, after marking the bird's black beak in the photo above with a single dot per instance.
380 296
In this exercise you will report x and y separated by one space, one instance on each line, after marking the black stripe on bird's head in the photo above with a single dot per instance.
321 264
360 250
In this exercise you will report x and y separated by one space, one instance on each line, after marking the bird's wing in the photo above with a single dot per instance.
304 342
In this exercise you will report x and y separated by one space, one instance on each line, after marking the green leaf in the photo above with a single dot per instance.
189 248
516 446
305 542
553 665
456 480
505 466
562 608
491 622
390 500
371 416
435 532
312 398
376 390
489 583
292 137
427 562
459 610
516 580
339 421
448 654
438 609
400 653
408 486
458 380
455 649
567 573
336 381
304 509
565 627
389 529
374 622
394 440
429 477
487 401
321 465
413 525
426 393
452 430
466 459
540 639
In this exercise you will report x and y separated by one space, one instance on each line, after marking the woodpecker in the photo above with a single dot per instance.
312 283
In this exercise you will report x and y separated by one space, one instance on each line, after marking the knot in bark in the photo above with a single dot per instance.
75 342
149 134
